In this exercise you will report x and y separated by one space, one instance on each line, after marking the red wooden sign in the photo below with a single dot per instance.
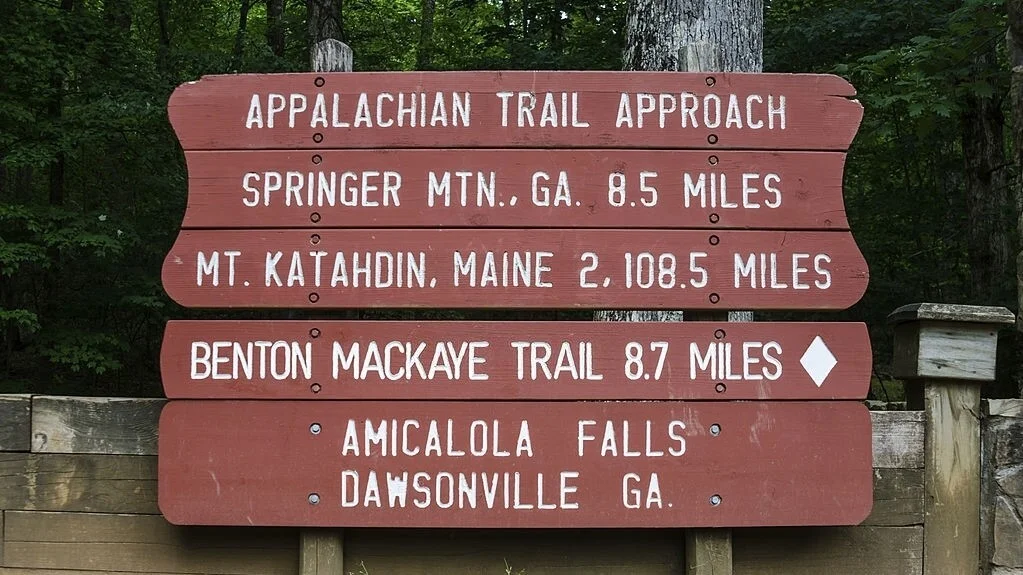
515 188
516 109
515 268
514 360
465 464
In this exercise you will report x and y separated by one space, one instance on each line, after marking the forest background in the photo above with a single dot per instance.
93 182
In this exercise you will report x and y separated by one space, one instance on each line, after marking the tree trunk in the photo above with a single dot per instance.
239 38
424 55
324 20
164 40
275 27
557 29
55 109
656 32
1014 41
987 198
691 35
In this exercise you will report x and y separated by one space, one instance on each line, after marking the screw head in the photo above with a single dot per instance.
715 430
315 429
715 500
720 388
314 498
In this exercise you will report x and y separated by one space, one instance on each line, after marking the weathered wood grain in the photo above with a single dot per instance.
552 189
708 552
567 269
216 111
587 360
898 498
952 477
830 550
1004 407
25 571
321 552
945 351
89 483
94 541
491 552
15 422
95 425
898 439
774 463
946 312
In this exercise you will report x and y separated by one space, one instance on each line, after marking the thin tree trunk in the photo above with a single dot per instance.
55 109
164 40
239 37
557 29
424 55
1014 41
275 27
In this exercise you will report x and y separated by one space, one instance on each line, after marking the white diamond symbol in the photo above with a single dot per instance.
818 361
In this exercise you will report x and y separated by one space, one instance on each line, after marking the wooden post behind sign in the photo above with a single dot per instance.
708 551
321 551
949 351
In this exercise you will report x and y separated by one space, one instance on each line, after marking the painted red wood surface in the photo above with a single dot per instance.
530 188
258 462
819 114
819 270
514 360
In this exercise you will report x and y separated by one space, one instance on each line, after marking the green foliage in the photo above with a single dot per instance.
92 181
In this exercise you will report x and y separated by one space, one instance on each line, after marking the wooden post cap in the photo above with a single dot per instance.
947 341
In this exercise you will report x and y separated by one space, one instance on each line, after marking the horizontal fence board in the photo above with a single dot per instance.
898 497
515 188
27 571
832 550
491 552
144 543
565 109
514 360
88 483
772 463
94 425
898 439
15 422
477 269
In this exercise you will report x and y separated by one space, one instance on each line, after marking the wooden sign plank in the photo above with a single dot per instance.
515 268
516 109
514 360
515 188
466 464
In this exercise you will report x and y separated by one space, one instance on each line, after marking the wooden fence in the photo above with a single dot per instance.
78 494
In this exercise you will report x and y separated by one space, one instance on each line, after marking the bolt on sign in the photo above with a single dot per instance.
589 190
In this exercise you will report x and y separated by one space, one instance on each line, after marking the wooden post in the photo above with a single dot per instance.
947 352
321 551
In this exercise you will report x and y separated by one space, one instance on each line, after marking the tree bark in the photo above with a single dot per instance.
275 27
324 20
164 40
657 30
424 54
1014 43
987 197
239 38
691 35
